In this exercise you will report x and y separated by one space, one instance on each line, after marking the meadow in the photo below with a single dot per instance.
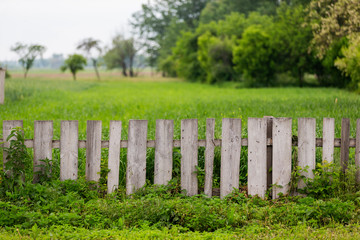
53 209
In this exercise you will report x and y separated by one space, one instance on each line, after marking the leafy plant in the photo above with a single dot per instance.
18 165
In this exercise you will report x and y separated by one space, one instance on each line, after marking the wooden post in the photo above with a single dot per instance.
282 146
2 85
230 156
357 152
209 156
136 156
328 140
257 164
93 150
269 150
306 146
345 142
163 151
7 128
69 147
189 156
43 135
114 156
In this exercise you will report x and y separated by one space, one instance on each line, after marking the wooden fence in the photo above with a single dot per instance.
269 144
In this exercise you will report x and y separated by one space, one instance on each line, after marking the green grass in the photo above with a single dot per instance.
125 99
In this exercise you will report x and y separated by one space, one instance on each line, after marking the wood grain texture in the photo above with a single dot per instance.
93 150
209 156
306 146
345 142
164 136
136 156
282 149
357 152
2 86
69 150
230 156
114 156
189 156
7 128
257 153
269 149
328 140
43 135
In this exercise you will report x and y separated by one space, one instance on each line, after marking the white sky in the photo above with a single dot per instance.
61 24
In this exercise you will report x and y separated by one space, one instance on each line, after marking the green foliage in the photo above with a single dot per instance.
88 45
74 63
28 54
253 57
18 165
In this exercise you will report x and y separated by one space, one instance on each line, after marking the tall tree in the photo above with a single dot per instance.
121 54
88 45
153 20
28 54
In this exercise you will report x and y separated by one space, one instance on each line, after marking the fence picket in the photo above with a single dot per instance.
189 156
209 156
230 156
43 135
328 140
345 142
7 128
136 162
306 146
257 149
357 152
282 148
114 156
69 148
93 150
163 151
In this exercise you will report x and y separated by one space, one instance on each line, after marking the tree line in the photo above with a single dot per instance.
258 42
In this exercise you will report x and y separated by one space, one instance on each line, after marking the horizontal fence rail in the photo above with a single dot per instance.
269 145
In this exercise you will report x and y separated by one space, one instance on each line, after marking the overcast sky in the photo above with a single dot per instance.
61 24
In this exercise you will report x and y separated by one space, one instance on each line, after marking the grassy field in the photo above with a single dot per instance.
57 210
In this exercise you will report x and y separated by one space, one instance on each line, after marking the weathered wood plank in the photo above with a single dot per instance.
257 150
7 128
357 152
69 150
114 156
2 86
269 149
281 155
43 135
163 151
230 156
93 150
136 156
306 146
328 142
189 156
209 156
345 142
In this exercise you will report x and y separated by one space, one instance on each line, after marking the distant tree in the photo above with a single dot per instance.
28 54
88 45
153 21
121 55
74 63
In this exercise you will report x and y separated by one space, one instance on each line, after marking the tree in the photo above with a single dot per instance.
88 45
28 54
121 54
154 20
332 20
254 57
74 63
